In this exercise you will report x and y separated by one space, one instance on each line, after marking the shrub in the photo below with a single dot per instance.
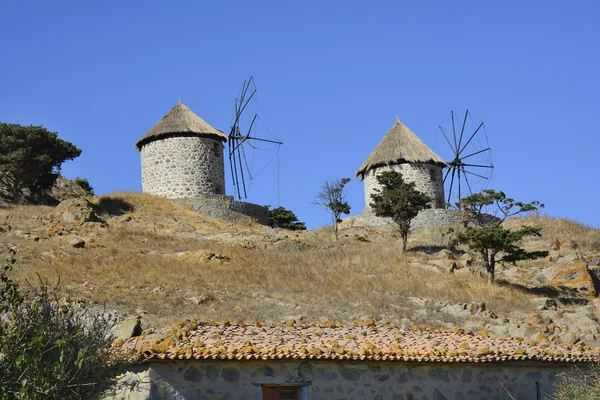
281 217
580 385
48 349
85 185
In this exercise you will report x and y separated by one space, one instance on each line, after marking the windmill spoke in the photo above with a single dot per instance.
478 165
447 140
477 152
241 172
236 182
255 138
447 172
462 130
240 140
473 173
251 124
454 131
247 102
471 138
467 180
459 193
246 162
451 184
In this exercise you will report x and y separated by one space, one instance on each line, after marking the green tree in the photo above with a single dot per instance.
49 350
333 197
85 185
399 200
30 158
488 237
281 217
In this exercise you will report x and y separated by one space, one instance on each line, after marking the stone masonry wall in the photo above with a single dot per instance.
428 218
428 179
316 380
177 167
225 207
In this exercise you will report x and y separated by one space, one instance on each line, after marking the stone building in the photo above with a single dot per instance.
401 150
182 156
194 360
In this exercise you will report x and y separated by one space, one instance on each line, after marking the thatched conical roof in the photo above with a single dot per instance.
179 120
400 145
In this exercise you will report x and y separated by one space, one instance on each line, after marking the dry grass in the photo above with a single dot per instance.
557 229
124 268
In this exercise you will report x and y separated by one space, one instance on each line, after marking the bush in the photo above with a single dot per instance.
580 385
49 350
85 185
281 217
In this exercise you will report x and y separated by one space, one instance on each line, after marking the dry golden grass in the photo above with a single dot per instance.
132 265
557 229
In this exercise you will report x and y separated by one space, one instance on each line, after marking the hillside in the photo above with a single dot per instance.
148 256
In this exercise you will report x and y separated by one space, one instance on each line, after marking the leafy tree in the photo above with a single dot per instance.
30 158
281 217
489 238
398 200
49 350
85 185
333 197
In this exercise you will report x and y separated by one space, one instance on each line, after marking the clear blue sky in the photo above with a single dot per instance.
332 76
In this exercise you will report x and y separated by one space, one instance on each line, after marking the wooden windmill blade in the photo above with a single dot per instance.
241 136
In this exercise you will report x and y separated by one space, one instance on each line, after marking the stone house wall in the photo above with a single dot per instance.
183 166
319 380
428 179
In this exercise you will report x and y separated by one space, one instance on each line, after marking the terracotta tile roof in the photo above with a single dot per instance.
367 340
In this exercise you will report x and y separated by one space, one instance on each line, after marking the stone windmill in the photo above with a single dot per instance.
401 150
182 156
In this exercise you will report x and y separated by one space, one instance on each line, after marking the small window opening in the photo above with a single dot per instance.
280 393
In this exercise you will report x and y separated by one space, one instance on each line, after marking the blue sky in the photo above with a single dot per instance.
332 76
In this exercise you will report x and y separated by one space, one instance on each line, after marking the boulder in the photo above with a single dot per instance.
130 328
545 303
574 276
75 212
76 242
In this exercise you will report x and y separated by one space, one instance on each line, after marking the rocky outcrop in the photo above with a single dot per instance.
572 276
75 212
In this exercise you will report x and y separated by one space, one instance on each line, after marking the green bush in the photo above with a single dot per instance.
85 185
48 349
281 217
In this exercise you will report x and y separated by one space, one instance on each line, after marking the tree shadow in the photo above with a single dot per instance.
564 295
434 249
113 206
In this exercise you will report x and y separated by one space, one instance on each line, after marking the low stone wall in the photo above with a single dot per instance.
319 380
225 207
429 218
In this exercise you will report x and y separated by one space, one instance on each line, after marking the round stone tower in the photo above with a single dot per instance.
401 150
182 156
